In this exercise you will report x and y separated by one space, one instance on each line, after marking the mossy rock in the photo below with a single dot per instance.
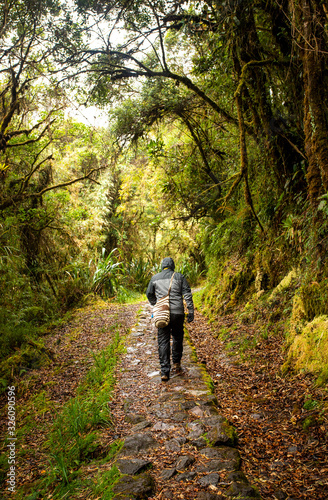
220 458
314 298
270 265
134 487
296 323
308 350
242 491
222 433
230 284
298 315
285 284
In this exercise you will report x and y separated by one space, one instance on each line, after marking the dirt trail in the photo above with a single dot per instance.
282 431
41 393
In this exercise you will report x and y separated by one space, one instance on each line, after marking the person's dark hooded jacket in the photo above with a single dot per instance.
159 285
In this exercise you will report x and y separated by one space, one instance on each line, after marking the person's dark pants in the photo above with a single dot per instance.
174 328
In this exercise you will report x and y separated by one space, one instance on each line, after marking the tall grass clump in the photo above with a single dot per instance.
139 271
191 270
108 274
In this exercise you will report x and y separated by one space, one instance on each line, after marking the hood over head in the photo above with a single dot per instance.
168 262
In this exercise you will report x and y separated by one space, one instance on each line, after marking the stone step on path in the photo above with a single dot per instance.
178 445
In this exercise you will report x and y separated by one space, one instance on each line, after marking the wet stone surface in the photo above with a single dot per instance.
131 466
134 487
175 440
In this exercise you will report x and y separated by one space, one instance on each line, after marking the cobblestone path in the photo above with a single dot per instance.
176 443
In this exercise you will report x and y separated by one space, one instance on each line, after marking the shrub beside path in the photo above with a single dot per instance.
176 443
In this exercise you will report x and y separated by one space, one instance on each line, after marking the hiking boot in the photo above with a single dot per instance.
177 368
165 377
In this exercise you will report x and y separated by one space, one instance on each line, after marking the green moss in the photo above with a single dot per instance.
314 297
193 349
208 380
231 432
226 289
285 284
298 312
308 422
205 376
223 433
268 267
308 351
31 356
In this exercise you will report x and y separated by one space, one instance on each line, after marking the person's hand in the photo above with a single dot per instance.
190 317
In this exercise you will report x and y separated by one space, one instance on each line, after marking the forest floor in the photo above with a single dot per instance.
280 421
282 432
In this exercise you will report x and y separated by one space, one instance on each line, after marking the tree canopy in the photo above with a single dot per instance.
215 148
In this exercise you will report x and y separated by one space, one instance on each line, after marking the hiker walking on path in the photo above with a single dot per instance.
158 287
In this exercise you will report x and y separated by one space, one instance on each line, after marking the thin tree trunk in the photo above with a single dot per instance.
244 159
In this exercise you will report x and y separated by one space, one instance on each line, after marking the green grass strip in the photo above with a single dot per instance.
75 433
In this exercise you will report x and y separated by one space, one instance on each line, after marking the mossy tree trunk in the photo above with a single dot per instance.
281 144
314 56
243 157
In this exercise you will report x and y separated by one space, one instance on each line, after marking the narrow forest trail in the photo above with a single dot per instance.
177 441
172 430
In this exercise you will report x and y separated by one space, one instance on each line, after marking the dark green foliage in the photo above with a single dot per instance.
12 337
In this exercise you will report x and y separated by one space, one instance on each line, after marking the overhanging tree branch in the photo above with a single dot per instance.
31 141
198 142
112 66
68 183
23 195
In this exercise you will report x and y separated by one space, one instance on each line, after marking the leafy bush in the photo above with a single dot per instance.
233 235
139 272
107 274
71 291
